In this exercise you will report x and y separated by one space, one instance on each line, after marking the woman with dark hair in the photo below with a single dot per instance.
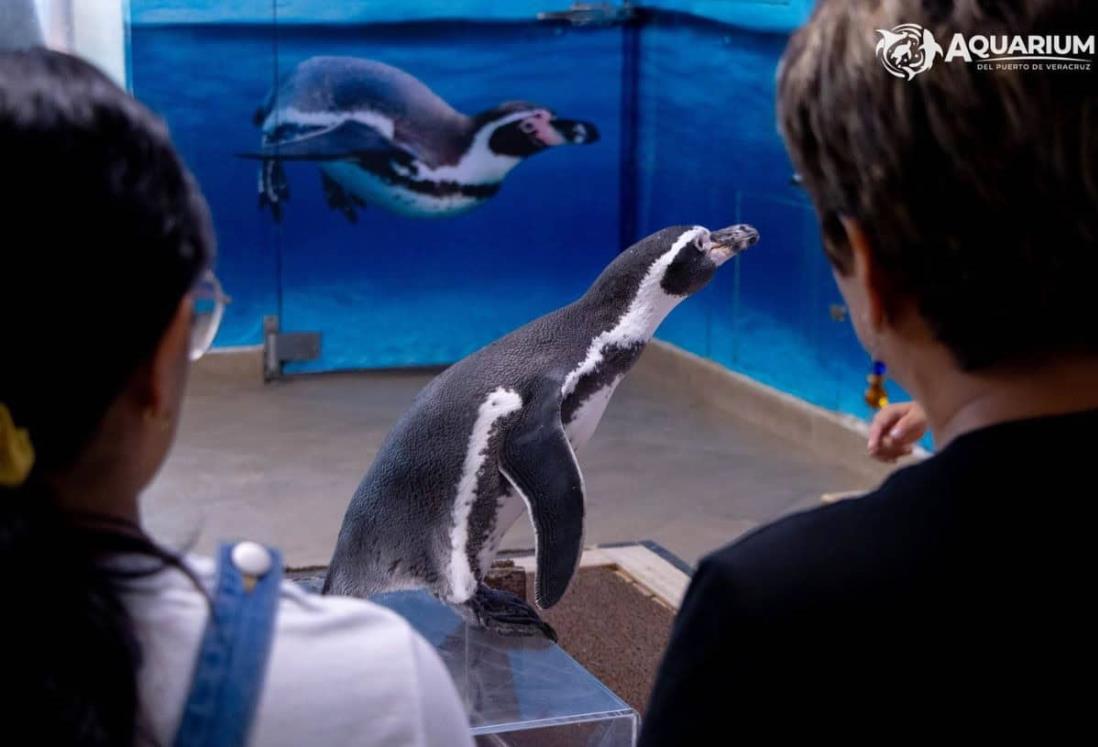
106 295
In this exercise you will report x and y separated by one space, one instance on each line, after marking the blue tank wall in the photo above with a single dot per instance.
768 15
685 105
708 149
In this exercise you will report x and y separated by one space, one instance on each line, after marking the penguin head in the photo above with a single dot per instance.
651 277
518 129
690 256
701 252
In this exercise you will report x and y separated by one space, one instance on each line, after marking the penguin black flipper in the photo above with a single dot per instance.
539 462
340 199
349 140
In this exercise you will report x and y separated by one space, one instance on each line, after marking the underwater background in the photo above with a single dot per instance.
683 96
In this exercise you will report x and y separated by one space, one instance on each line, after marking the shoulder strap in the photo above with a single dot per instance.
232 658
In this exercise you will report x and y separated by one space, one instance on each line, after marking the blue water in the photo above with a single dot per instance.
694 142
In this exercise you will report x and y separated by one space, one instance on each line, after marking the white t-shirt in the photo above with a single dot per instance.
341 671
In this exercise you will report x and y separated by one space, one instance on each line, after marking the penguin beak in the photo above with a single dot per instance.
574 132
726 243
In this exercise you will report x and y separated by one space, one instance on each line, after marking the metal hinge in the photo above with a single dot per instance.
280 348
591 14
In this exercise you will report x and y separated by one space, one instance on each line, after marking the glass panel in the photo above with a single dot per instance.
708 152
842 363
524 691
705 155
773 338
684 105
388 289
206 77
759 15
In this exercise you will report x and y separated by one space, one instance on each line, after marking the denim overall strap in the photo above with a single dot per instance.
232 658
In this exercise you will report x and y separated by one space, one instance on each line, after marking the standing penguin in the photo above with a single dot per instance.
382 137
497 432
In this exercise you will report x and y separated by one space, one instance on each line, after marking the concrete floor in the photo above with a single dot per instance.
278 463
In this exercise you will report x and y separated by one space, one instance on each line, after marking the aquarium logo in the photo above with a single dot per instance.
909 49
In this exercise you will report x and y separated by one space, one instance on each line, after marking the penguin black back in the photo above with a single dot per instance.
496 433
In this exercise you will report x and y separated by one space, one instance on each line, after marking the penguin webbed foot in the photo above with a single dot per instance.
505 613
274 189
341 200
266 203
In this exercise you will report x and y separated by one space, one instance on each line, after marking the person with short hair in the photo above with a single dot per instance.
106 295
959 210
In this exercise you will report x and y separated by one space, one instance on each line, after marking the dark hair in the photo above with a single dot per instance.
978 189
104 233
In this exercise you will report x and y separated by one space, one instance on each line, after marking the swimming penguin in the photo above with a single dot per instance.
382 137
497 432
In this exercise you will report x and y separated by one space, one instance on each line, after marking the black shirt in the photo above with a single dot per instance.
960 594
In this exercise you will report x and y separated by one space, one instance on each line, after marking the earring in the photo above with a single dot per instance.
875 395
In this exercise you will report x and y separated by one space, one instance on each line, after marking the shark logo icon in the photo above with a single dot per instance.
907 50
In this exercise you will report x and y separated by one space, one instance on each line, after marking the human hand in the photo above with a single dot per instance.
895 431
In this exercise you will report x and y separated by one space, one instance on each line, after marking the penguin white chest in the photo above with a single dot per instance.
509 508
399 199
587 417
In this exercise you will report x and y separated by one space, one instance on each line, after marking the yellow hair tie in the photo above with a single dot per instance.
16 451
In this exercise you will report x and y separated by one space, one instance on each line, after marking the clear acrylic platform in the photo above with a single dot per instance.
519 691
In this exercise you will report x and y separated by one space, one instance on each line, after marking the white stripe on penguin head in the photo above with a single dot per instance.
329 119
478 164
649 306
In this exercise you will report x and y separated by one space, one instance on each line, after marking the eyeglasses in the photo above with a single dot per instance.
209 306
